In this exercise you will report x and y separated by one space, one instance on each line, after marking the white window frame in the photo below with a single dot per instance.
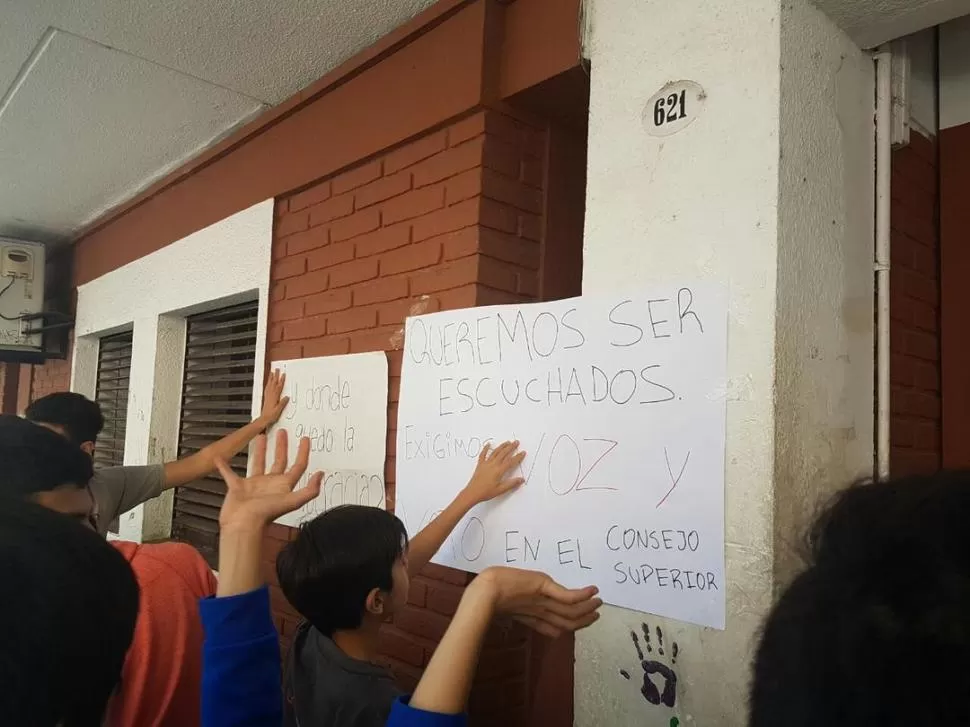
225 263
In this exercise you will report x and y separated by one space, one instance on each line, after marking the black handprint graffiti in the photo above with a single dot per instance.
668 695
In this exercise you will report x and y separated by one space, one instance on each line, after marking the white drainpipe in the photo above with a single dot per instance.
884 105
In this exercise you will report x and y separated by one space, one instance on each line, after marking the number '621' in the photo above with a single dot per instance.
670 108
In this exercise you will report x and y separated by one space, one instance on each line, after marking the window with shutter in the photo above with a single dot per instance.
111 393
217 396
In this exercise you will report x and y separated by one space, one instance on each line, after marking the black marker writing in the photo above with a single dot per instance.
654 322
664 578
511 334
670 539
473 539
575 386
685 299
578 333
631 337
566 548
657 397
516 544
462 337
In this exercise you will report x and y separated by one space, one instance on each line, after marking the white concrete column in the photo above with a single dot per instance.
165 417
768 191
138 425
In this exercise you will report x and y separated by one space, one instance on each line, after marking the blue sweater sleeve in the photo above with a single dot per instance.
404 715
240 662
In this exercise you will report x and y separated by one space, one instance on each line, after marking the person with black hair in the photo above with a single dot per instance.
71 414
876 630
40 465
67 628
346 572
242 666
115 490
66 623
163 671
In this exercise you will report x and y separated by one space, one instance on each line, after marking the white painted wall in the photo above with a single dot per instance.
871 23
770 192
227 262
955 73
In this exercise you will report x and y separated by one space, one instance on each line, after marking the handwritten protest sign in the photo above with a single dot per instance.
620 405
340 403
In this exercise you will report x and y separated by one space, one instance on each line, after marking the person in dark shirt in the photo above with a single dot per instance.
66 627
358 556
161 678
242 667
346 572
876 630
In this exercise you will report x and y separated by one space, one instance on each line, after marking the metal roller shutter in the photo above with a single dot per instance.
217 397
111 393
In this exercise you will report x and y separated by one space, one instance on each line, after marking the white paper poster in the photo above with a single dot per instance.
619 403
340 403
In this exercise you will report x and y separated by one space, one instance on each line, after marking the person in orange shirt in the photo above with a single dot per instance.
161 679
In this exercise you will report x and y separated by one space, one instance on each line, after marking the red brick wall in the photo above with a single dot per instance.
52 376
10 387
451 220
33 382
955 293
5 398
55 375
915 309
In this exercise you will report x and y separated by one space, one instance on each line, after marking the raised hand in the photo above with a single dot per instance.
491 477
273 404
257 500
536 600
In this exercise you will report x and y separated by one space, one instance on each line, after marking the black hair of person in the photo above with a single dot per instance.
66 618
79 417
35 459
876 630
336 560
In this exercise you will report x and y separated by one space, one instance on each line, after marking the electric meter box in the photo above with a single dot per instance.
21 294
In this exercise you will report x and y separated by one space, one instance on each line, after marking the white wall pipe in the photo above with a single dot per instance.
884 103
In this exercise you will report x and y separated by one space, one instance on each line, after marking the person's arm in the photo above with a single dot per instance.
489 480
203 463
447 680
241 660
534 597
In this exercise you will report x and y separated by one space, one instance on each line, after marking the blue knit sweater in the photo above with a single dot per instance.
241 669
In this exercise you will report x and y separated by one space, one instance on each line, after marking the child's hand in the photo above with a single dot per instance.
273 400
257 500
536 600
491 477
